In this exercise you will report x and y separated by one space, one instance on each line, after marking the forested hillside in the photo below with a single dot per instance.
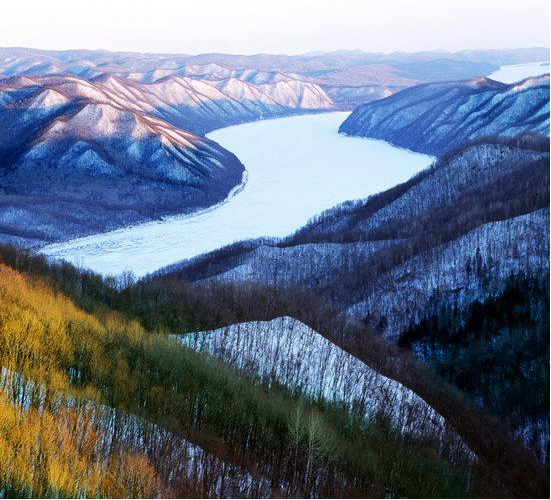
93 404
446 238
437 118
443 234
152 407
497 351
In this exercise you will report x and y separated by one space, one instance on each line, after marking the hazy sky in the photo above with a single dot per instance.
275 26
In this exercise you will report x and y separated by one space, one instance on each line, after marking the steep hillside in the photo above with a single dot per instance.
439 117
77 157
455 234
112 409
384 259
287 352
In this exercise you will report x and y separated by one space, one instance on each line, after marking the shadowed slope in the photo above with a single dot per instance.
437 118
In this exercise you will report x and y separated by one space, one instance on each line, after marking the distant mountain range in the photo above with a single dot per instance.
349 78
92 140
438 117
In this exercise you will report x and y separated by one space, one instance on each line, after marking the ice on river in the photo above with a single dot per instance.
515 72
296 167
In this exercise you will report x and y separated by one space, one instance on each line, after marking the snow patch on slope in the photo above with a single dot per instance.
288 352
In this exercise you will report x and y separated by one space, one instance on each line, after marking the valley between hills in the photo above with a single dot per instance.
311 276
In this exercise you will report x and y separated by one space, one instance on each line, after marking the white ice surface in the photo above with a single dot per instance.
296 168
515 72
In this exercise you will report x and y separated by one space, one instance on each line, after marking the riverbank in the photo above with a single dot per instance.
296 168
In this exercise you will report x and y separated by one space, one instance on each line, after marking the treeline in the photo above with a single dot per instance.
497 351
170 305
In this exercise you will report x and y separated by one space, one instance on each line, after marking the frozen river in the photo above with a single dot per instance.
296 167
515 72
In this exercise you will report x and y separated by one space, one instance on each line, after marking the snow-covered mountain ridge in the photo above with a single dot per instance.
80 157
438 117
192 104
